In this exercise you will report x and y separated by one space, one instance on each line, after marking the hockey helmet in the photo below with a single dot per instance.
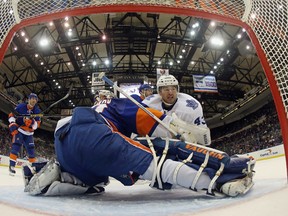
144 86
33 95
167 80
105 93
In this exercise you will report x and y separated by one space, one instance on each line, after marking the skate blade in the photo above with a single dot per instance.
12 174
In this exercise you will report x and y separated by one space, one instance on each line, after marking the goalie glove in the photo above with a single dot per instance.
189 132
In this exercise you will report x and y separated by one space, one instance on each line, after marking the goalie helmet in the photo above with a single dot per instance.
103 94
167 80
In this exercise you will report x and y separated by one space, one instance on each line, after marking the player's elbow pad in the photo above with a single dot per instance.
35 125
11 118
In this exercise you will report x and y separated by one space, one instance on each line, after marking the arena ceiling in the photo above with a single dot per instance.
130 45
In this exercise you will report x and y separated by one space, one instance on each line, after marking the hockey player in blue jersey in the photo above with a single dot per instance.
145 90
22 129
94 144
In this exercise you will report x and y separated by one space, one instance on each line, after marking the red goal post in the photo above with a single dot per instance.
266 23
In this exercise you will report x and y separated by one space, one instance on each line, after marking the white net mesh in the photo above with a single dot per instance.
267 18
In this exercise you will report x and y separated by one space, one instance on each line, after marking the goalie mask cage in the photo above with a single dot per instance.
265 21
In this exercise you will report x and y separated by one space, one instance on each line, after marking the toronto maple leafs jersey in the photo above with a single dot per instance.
186 108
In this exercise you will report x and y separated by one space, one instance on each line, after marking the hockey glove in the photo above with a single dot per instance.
11 118
30 122
189 132
13 127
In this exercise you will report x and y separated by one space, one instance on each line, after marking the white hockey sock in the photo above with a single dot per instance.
185 175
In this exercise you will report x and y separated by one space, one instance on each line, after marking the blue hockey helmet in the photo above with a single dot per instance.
144 86
33 95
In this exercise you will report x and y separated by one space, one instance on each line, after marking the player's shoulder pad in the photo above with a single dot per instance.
20 107
188 101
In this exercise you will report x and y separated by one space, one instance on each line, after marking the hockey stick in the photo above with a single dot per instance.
61 99
107 80
48 108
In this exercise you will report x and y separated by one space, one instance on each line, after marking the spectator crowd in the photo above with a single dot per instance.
256 131
259 130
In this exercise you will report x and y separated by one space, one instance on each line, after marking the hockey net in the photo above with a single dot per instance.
264 20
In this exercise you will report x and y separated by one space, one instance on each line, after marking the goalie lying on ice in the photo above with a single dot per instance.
90 150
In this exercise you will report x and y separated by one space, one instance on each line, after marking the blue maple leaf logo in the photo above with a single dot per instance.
192 104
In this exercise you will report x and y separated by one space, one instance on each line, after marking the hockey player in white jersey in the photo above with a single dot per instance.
183 106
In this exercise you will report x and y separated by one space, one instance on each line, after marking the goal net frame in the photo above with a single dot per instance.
264 21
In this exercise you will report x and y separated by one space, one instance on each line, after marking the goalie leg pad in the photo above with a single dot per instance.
150 174
29 170
58 188
240 164
238 186
69 178
40 182
185 175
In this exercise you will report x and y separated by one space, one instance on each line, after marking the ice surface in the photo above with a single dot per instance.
267 197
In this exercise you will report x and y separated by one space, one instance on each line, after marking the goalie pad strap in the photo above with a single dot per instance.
217 174
154 170
175 174
165 151
154 159
203 165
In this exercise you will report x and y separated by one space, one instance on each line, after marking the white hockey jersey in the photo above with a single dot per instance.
187 108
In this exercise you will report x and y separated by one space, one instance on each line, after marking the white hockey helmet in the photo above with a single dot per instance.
167 80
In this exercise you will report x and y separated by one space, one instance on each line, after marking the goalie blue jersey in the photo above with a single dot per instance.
121 113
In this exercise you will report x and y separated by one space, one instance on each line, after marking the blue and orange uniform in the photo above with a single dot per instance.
94 144
104 134
22 128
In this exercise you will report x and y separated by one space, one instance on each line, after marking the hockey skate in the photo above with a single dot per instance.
12 171
40 182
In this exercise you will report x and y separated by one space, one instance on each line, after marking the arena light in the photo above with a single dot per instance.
216 41
44 42
213 23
